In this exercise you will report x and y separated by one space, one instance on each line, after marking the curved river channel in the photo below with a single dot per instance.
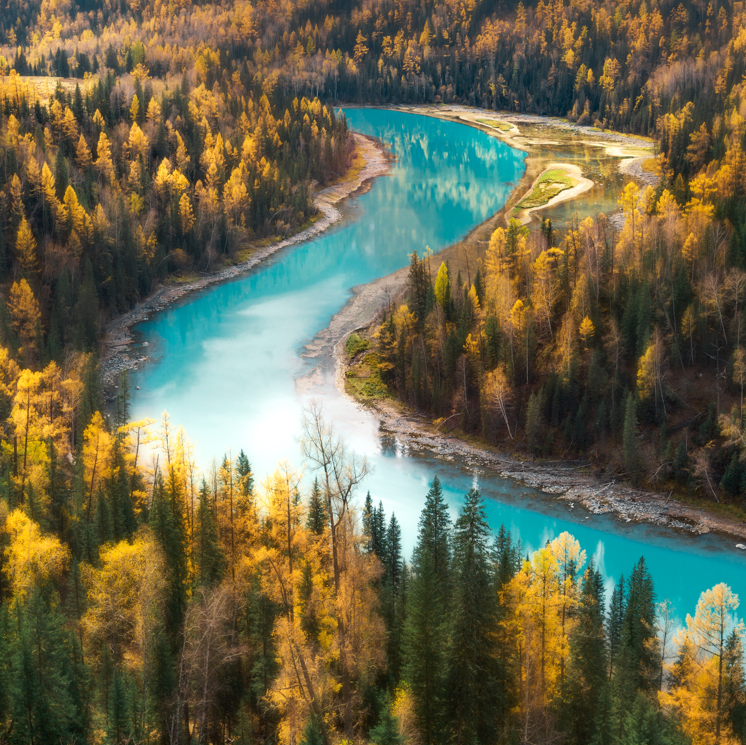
229 365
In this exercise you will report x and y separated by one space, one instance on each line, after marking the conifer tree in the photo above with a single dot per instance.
614 625
208 556
638 643
386 732
316 520
425 638
166 522
474 701
118 713
245 475
587 667
631 451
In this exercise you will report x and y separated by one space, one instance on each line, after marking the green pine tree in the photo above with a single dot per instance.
586 674
386 732
475 696
208 556
316 519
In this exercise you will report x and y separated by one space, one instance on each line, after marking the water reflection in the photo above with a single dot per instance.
230 356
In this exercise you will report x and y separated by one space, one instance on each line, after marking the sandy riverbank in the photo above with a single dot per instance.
117 353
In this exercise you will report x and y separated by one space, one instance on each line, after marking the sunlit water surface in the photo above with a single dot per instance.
230 357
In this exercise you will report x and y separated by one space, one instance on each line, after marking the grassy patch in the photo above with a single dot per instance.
650 165
363 381
548 186
356 344
182 279
496 124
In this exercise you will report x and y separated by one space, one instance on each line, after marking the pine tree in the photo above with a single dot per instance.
394 609
368 514
316 519
474 700
118 712
245 475
166 522
312 734
425 637
638 649
614 625
43 707
386 732
86 331
208 556
587 667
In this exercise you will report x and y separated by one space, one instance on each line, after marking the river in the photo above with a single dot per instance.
229 365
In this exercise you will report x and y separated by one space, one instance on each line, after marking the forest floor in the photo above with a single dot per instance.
117 351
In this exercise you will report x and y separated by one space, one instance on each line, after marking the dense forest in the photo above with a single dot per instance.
144 601
157 605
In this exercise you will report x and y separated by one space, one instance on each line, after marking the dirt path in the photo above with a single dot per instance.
117 353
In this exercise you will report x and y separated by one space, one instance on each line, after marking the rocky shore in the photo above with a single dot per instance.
117 350
573 483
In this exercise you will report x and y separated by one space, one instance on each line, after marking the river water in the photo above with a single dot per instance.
229 365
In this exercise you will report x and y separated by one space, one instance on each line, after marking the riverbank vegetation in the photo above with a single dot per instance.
621 347
143 601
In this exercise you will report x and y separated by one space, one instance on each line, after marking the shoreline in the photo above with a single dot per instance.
561 481
568 481
116 346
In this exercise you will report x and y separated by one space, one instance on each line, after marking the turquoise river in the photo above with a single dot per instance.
229 366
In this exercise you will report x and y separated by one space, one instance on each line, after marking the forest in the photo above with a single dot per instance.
145 601
154 603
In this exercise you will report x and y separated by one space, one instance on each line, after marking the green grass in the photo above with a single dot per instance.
548 186
355 344
363 381
496 124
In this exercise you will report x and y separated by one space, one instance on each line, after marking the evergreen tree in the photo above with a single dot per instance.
392 594
167 523
632 460
208 556
386 732
425 638
43 707
474 698
638 642
312 734
316 520
245 475
586 675
614 624
118 714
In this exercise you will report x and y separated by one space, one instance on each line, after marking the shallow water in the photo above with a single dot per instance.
230 357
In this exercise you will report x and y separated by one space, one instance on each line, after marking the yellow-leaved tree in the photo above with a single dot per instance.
25 316
32 559
707 672
125 599
98 459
